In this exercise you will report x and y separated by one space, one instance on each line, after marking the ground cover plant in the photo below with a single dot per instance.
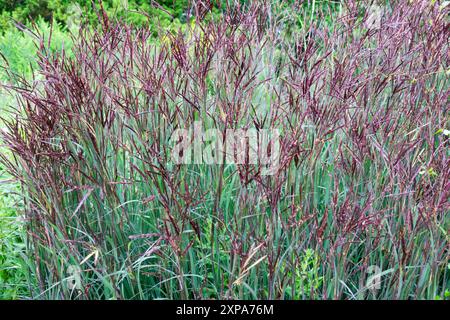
357 206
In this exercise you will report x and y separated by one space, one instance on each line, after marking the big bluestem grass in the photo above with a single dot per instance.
362 183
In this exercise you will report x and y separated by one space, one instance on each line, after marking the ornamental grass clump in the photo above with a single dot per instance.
356 207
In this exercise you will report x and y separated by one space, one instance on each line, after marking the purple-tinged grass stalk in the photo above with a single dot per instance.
362 182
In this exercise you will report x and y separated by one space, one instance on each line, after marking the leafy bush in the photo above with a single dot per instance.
362 179
63 11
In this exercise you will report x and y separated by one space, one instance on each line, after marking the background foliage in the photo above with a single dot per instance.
63 10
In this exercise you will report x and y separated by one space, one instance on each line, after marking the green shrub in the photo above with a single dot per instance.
63 10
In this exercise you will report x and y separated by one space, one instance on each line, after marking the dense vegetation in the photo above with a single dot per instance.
65 11
362 181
